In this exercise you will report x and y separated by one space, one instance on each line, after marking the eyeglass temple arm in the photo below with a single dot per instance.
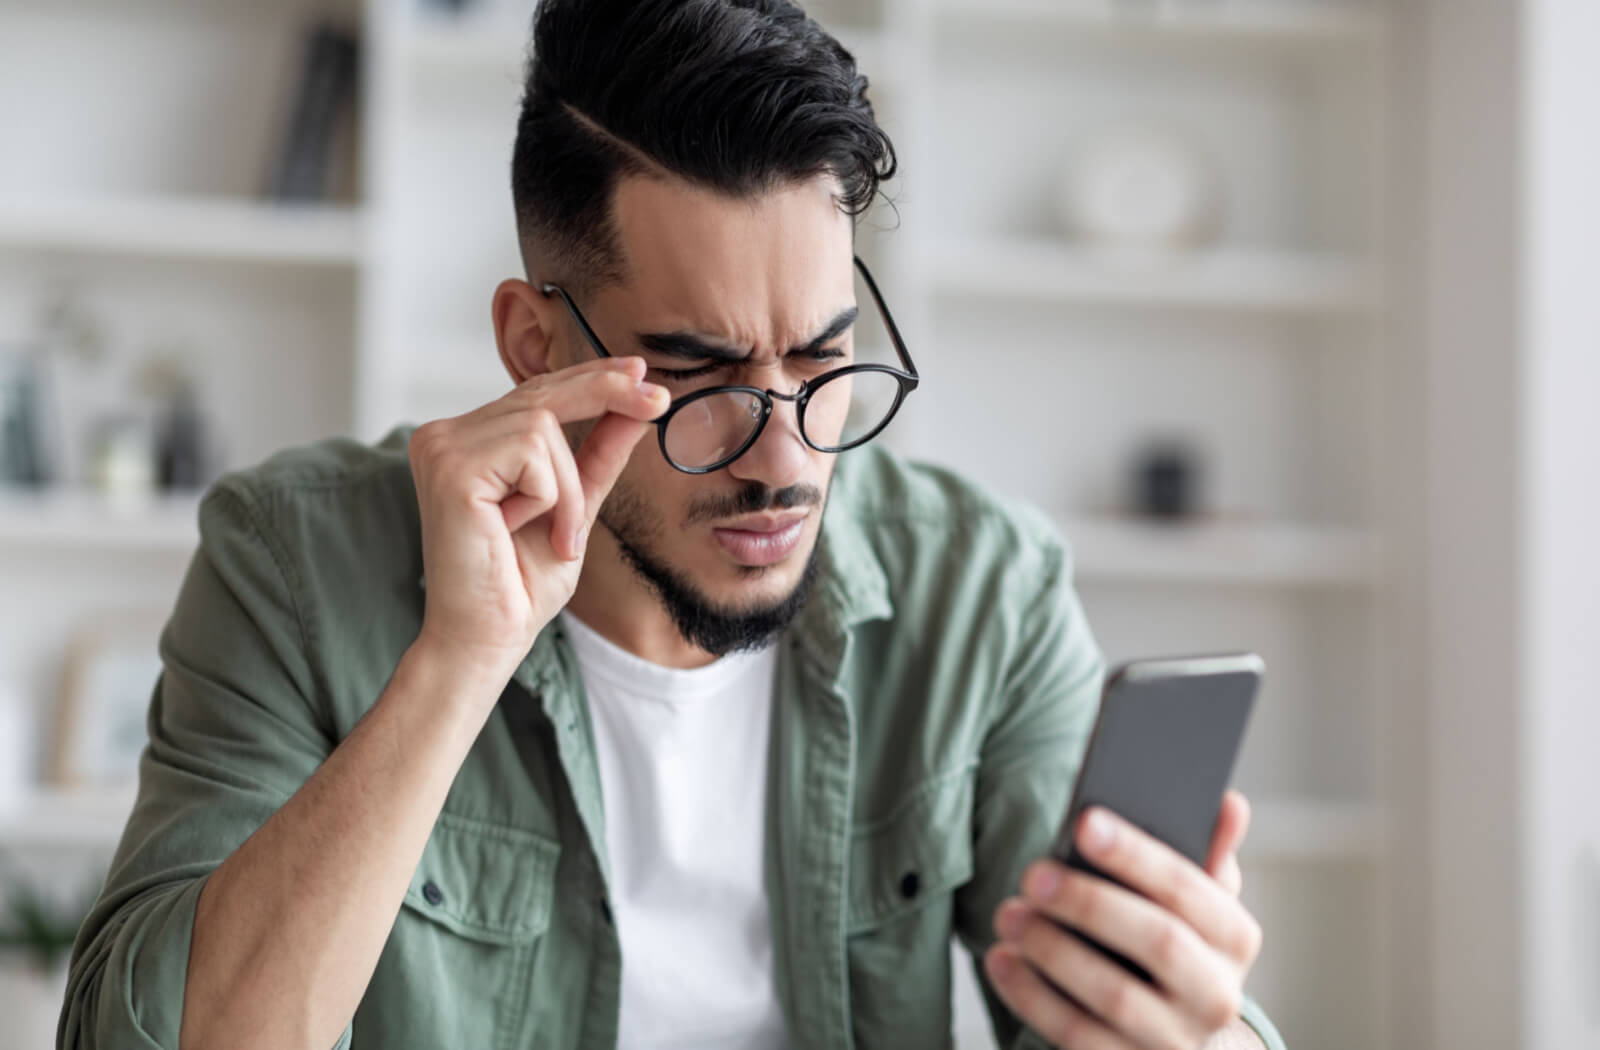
583 325
888 318
872 286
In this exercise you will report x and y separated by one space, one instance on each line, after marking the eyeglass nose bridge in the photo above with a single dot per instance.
798 399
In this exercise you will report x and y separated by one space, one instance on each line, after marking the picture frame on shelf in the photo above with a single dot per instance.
111 669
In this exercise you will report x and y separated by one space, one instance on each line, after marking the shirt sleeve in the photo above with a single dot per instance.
1030 757
233 733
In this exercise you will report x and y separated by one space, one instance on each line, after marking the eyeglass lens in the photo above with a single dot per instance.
842 411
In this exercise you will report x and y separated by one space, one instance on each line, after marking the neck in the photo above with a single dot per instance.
613 601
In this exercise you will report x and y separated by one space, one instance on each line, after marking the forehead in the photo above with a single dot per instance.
760 271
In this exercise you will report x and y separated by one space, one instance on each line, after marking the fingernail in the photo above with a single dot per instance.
1042 882
580 540
1098 831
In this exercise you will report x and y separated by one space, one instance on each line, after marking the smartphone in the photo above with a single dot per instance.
1161 754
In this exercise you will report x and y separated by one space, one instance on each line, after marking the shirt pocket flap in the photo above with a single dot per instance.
488 882
920 849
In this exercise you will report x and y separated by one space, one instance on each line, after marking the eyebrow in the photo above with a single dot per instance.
692 347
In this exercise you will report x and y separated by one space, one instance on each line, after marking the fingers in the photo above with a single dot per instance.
569 518
588 391
1128 1005
1229 876
1046 1010
1233 821
602 457
1150 867
1143 930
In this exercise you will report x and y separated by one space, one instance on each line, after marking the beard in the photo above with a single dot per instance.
716 629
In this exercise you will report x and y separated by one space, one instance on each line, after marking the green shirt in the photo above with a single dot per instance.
931 706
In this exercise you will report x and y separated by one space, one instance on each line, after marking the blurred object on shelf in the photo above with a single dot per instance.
70 344
122 457
183 459
1139 190
112 665
23 457
309 161
1166 480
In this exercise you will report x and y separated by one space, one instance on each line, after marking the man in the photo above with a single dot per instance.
628 711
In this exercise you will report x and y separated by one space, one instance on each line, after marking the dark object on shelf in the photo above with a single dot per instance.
1166 481
182 461
324 102
22 454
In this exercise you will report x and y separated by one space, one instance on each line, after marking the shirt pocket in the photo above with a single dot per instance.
904 870
460 965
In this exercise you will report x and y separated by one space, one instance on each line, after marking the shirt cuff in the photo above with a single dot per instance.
1253 1015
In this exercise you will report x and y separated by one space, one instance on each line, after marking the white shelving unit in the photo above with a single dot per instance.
1272 22
377 308
82 518
1136 550
1228 279
199 228
80 818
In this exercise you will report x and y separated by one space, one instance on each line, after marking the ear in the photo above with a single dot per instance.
524 329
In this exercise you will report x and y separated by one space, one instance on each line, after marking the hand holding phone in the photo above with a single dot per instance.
1161 754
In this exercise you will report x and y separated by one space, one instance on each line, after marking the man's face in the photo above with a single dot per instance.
758 279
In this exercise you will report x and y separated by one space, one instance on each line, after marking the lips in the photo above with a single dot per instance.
761 540
765 522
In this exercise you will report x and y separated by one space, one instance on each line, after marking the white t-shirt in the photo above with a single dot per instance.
683 774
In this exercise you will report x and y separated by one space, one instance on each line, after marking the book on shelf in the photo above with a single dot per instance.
308 164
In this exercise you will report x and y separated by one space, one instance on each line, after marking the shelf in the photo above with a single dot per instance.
1138 550
468 44
1223 278
1305 830
465 43
1216 21
207 228
80 518
77 817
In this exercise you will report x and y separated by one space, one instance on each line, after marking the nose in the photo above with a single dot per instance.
779 457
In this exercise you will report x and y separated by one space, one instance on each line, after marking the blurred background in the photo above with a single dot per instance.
1285 308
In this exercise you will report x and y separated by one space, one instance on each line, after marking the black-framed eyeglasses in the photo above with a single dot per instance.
705 430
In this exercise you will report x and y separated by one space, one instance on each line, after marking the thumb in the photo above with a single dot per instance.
1233 821
603 455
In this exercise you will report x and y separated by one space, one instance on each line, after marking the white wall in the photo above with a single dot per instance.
1511 324
1560 542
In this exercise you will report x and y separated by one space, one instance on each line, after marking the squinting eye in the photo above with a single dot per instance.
678 375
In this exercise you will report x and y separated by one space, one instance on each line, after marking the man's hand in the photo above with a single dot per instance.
1189 930
506 504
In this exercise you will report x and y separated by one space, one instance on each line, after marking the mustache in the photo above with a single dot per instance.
751 499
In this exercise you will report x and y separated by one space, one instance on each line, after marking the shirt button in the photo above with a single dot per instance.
432 893
909 884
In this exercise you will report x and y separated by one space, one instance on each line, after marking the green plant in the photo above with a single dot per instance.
34 927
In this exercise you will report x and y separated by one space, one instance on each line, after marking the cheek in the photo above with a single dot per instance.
650 483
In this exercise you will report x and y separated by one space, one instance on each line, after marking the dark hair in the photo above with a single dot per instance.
738 96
